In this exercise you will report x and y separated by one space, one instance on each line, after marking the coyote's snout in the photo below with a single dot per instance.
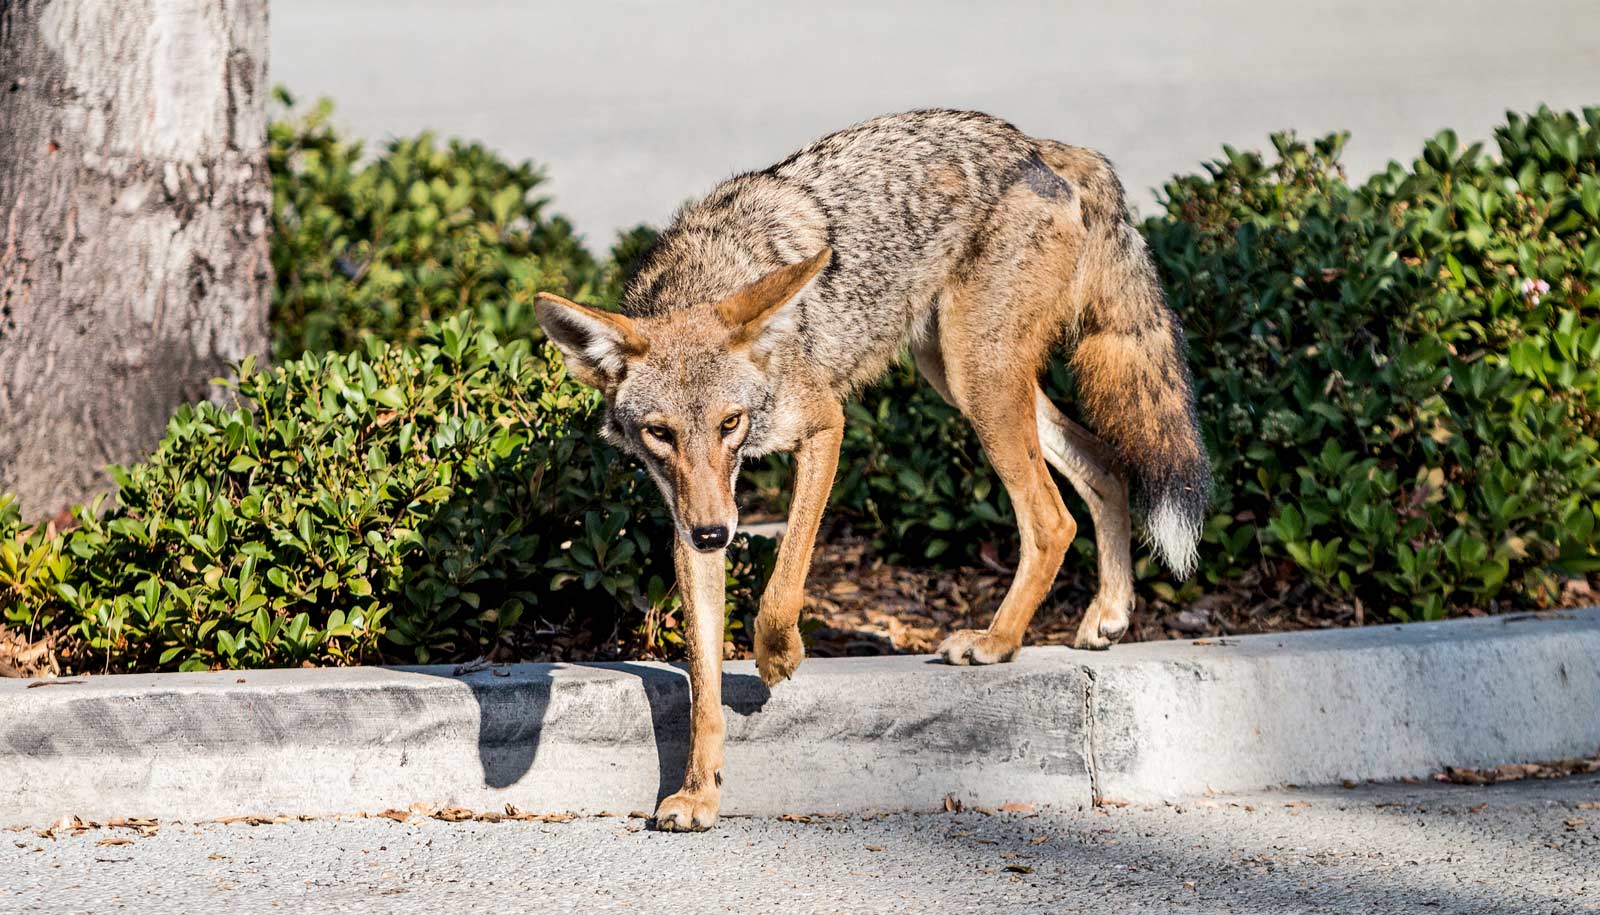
782 292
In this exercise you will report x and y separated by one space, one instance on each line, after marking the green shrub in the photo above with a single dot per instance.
33 572
1419 429
911 474
377 248
1388 409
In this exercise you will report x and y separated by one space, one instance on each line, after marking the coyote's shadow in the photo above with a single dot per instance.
512 712
667 691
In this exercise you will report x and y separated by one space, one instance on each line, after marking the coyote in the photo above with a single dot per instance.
768 303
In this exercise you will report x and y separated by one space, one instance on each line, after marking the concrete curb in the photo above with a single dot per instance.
1144 721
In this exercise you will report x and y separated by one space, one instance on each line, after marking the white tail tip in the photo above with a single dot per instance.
1175 538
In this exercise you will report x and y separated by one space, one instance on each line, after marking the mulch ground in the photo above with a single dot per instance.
858 604
21 656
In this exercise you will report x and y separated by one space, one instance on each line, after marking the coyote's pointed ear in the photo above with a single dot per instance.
760 310
597 343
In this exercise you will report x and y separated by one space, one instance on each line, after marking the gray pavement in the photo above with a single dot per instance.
1529 846
635 106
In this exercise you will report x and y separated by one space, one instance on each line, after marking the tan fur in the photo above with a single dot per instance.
983 251
777 636
1091 468
702 580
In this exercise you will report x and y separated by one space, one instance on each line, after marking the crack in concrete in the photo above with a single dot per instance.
1090 738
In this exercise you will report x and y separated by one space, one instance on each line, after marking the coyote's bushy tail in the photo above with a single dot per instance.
1131 367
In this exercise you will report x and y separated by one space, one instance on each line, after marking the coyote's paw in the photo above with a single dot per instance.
778 653
1104 623
975 646
688 812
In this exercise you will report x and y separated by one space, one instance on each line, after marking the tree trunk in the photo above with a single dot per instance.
134 206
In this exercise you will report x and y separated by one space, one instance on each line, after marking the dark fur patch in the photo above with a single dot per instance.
1042 180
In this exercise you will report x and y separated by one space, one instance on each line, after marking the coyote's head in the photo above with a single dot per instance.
689 391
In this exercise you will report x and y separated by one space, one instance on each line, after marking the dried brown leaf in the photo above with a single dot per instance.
253 820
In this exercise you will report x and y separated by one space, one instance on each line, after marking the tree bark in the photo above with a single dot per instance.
134 207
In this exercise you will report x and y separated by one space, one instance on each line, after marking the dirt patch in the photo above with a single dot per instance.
857 604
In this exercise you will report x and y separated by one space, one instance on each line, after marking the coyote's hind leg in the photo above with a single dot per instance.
1002 412
930 364
1090 466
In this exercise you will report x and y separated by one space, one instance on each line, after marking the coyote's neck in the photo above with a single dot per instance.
744 228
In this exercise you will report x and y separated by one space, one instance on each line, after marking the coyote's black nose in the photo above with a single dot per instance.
713 537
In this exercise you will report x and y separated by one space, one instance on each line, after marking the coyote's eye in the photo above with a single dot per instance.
730 424
660 433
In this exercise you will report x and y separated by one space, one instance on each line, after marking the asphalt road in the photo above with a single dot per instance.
1523 847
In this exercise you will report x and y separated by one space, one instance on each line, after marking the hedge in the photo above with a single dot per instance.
401 503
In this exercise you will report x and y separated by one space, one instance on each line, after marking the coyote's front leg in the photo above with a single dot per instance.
701 580
777 637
